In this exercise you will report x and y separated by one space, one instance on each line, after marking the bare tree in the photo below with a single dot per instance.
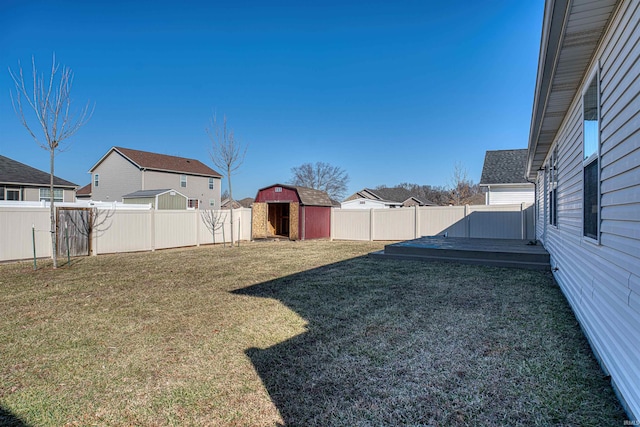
463 190
52 122
226 153
321 176
214 221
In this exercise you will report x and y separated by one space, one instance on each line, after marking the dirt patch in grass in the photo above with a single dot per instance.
295 333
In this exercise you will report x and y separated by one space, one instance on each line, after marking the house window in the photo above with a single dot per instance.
96 180
591 159
183 181
278 189
553 187
45 194
193 203
210 183
212 203
13 194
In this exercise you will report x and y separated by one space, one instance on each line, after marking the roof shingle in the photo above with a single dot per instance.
13 172
504 167
164 162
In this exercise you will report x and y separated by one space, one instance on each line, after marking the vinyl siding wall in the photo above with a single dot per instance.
197 186
117 177
497 195
602 280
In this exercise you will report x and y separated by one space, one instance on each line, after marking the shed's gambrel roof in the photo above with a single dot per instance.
16 173
571 32
504 167
307 196
162 162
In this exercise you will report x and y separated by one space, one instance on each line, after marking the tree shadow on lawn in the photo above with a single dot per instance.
413 343
8 419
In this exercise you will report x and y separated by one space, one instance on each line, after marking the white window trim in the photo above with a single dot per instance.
595 73
96 180
183 179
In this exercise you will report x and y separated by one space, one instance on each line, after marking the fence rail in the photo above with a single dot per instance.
130 230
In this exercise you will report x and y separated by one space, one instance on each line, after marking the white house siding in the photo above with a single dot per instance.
363 204
117 177
197 186
33 194
602 281
497 195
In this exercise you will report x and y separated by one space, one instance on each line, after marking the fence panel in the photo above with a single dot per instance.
351 224
16 234
394 224
127 231
438 220
174 229
498 222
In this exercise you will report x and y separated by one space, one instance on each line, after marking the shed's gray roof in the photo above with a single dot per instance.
504 167
140 194
313 197
13 172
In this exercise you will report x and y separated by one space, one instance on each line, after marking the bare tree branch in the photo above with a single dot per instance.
226 153
50 103
321 176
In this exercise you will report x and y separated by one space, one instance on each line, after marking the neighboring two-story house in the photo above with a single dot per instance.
503 178
20 182
123 171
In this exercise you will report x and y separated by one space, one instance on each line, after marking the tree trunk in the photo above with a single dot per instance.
231 200
54 245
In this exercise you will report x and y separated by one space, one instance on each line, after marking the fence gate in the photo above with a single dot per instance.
74 227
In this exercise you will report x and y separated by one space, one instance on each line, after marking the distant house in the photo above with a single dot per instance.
158 199
84 192
383 198
584 155
293 212
503 178
237 204
123 171
20 182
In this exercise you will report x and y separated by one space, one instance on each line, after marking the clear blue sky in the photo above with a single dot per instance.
390 91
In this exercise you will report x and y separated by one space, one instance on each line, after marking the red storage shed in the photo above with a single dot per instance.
297 213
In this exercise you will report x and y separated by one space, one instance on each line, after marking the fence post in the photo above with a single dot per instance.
467 225
152 225
523 224
416 219
197 212
331 223
371 224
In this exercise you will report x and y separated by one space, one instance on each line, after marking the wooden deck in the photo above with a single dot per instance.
493 252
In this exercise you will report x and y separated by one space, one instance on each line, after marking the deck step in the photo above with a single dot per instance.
493 252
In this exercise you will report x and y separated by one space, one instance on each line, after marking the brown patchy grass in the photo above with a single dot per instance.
295 333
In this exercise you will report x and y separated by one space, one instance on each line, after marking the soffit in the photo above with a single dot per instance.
571 33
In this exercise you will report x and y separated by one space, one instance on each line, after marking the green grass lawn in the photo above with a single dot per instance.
292 333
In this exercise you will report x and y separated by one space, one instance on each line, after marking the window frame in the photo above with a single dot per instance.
8 190
96 180
552 188
183 181
589 161
58 195
211 184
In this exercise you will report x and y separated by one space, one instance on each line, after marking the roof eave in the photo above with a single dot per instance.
559 15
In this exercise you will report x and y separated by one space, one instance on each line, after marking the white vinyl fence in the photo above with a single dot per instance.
133 230
126 230
476 221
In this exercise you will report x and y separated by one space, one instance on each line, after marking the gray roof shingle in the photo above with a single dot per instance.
504 167
13 172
